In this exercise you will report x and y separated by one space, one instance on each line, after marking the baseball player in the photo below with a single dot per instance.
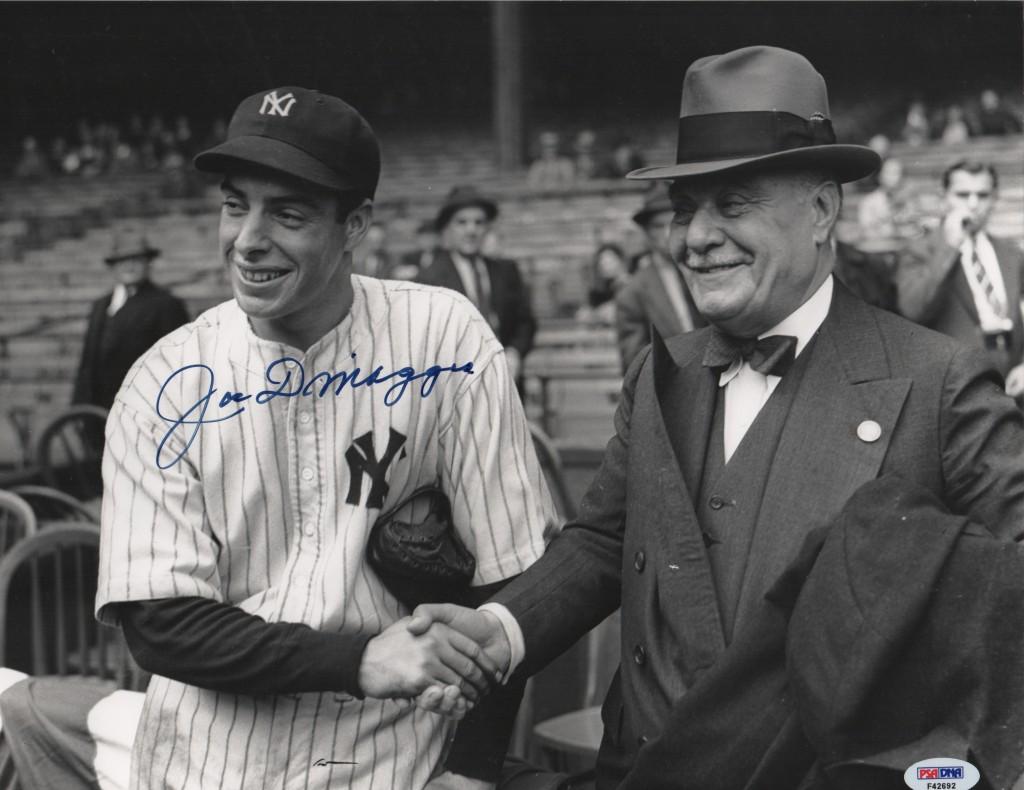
249 454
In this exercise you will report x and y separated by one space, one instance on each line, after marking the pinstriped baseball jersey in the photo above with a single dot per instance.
269 509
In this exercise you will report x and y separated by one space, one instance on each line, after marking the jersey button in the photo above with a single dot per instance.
307 474
305 417
310 530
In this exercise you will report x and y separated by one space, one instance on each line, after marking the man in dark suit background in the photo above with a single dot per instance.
963 282
734 441
494 286
124 323
656 295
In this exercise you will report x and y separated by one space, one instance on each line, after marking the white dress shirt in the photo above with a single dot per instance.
117 299
746 392
991 322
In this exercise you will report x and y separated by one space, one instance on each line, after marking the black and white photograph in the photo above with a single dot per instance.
512 395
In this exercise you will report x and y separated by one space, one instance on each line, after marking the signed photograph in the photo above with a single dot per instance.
512 395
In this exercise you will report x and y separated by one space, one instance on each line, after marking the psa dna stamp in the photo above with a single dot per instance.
941 773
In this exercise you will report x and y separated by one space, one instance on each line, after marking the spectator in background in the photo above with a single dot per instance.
657 293
955 131
374 260
963 282
584 160
494 286
624 158
124 323
124 158
993 118
32 164
887 212
551 170
609 273
916 130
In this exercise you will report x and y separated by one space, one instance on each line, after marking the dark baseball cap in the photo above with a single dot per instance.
302 133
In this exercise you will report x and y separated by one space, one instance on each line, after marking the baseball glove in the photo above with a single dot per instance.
425 562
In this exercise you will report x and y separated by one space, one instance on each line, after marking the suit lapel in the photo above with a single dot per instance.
686 392
965 294
826 449
1010 268
663 315
685 398
445 274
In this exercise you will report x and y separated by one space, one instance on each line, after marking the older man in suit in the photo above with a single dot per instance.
126 322
733 442
656 295
494 286
963 282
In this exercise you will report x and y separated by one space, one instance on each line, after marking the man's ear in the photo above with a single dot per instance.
826 205
357 223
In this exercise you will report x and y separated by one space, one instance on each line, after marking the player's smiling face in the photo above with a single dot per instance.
286 249
749 246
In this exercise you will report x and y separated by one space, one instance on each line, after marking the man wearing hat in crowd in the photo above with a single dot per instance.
124 323
657 294
248 456
732 442
494 286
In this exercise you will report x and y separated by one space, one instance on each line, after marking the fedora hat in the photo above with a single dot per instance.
655 202
462 197
129 244
758 106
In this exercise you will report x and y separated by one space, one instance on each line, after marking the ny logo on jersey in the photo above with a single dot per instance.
277 105
362 459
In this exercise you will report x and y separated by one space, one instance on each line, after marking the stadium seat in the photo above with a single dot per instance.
47 627
17 521
51 505
70 452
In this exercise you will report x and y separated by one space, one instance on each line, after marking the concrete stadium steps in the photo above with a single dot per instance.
551 234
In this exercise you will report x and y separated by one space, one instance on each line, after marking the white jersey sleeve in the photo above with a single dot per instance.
152 522
500 499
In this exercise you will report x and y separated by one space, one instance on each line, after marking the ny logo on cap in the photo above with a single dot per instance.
277 105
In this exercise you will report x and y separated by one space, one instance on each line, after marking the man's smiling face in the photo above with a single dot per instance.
284 244
748 244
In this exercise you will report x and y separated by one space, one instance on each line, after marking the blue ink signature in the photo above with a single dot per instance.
293 384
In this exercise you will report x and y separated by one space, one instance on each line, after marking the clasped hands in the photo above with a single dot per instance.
446 657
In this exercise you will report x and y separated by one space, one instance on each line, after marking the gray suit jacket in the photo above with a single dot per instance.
641 304
933 291
945 424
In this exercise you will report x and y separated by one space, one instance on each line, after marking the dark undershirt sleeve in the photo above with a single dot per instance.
220 647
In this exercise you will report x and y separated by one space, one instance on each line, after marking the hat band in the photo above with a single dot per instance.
728 135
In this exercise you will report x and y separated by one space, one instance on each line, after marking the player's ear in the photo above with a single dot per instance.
357 223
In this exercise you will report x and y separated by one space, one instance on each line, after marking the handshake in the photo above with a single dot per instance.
444 656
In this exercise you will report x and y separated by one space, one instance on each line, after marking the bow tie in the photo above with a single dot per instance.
771 356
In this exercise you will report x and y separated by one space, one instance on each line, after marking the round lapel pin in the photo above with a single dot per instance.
869 431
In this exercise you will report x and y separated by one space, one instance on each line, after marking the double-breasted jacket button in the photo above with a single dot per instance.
642 740
639 655
716 502
639 560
